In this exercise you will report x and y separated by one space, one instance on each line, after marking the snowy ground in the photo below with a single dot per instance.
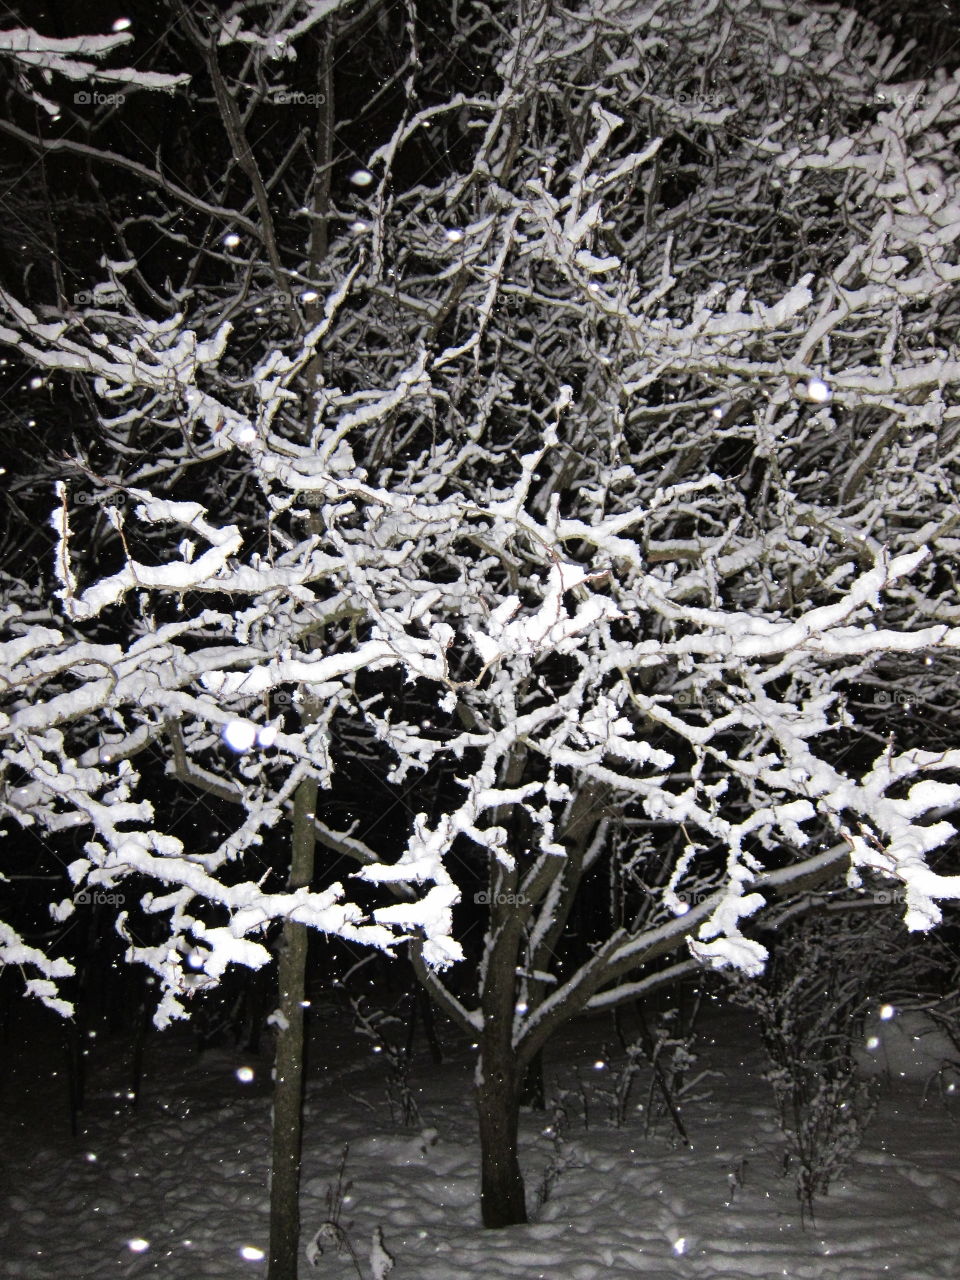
183 1179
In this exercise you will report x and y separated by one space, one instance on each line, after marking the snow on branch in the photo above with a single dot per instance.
68 57
584 478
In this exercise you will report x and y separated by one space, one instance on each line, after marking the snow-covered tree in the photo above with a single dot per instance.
604 468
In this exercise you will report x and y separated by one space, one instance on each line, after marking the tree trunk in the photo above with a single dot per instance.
288 1069
291 970
502 1199
429 1025
533 1093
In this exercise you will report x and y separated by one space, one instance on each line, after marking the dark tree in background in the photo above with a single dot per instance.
928 32
554 410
